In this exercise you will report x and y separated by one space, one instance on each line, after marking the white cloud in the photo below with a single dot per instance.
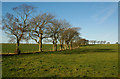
104 14
108 14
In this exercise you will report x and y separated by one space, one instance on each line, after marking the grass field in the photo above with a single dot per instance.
86 61
25 48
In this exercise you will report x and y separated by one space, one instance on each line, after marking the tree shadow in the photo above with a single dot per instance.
97 50
73 51
84 51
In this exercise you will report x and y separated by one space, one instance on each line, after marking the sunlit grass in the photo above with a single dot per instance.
90 61
25 48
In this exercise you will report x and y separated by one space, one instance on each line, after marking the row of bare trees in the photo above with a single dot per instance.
98 42
24 26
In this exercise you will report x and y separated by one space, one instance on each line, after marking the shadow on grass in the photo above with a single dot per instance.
73 51
83 51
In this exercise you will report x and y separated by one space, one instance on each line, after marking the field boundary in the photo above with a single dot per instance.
11 54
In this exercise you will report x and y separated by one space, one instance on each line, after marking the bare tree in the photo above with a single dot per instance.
98 42
38 25
86 42
91 41
53 32
104 42
77 42
117 43
64 26
17 26
69 36
75 36
101 42
108 42
94 41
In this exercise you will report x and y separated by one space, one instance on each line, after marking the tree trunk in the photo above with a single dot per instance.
70 45
67 45
61 46
40 43
39 47
17 48
55 45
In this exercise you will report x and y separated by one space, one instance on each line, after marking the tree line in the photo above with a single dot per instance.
22 25
98 42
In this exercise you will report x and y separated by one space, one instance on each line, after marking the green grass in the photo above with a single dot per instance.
25 48
90 61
